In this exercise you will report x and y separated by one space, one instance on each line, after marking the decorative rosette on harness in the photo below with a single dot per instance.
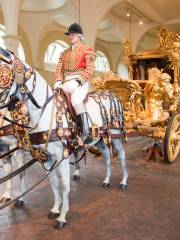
6 76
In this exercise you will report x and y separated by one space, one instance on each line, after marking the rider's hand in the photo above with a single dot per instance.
57 85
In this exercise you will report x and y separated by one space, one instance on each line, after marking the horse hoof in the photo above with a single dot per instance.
59 225
123 186
19 203
52 215
76 178
4 200
106 185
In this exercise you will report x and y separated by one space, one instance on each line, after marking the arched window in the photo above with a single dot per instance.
122 71
2 44
52 54
101 63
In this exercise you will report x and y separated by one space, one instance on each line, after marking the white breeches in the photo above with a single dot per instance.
78 93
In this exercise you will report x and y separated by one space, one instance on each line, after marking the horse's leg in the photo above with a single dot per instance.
64 169
20 158
8 191
121 156
76 175
106 154
55 185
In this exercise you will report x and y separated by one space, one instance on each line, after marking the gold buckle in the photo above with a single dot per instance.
95 131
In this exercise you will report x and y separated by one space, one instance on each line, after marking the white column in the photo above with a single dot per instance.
10 9
91 17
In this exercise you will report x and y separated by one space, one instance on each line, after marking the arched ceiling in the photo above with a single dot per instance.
42 5
150 38
153 12
110 28
166 9
109 31
120 10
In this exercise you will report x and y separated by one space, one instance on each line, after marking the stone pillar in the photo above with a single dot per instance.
10 9
91 17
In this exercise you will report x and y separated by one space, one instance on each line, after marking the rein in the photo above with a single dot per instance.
18 171
33 100
15 123
2 93
83 156
30 96
48 100
9 153
11 99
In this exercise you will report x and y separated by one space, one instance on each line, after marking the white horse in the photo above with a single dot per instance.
55 149
118 146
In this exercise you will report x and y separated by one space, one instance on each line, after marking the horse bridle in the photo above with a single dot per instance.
12 97
18 86
3 96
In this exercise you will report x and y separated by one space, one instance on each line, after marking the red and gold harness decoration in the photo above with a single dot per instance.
20 115
62 108
79 59
114 117
18 66
6 76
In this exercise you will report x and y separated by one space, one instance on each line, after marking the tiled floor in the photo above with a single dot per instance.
148 210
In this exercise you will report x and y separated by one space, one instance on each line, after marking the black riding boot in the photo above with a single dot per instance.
84 125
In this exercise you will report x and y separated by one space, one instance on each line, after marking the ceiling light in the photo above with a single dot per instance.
141 21
128 13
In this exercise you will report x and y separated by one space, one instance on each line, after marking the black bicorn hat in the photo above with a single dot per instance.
74 28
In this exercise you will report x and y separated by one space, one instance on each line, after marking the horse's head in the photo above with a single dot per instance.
11 75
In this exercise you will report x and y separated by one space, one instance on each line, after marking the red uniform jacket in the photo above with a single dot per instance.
77 60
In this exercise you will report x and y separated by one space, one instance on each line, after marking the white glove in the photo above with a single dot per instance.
57 85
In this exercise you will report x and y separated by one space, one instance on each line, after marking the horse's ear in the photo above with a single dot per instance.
19 70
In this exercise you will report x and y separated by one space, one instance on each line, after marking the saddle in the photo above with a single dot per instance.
67 98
